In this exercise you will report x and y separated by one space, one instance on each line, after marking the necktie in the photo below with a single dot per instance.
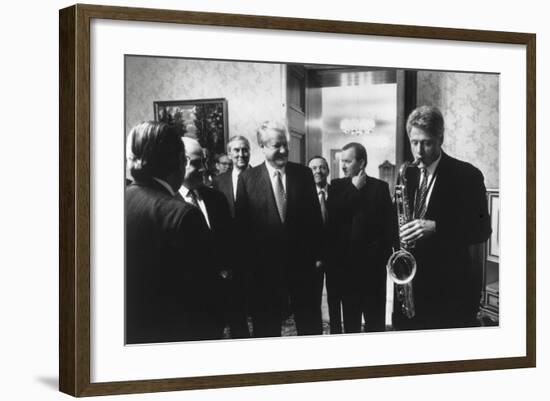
280 196
323 203
193 197
420 204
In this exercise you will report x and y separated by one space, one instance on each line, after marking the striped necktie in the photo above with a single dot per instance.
280 196
420 203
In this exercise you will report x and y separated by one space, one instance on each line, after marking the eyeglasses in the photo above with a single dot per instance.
197 163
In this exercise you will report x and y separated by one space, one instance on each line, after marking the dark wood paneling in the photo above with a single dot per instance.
296 88
82 200
531 198
296 114
297 151
74 175
67 301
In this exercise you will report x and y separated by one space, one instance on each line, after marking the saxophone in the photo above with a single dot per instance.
401 265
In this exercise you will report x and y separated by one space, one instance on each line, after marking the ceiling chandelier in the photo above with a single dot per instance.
357 126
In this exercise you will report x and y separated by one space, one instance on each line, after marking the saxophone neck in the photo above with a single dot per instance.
403 170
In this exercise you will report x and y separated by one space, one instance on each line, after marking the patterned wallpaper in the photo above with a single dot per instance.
470 105
253 90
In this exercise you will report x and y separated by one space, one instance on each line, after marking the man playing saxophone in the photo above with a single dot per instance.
447 198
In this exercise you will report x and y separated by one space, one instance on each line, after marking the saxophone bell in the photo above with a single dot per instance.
401 267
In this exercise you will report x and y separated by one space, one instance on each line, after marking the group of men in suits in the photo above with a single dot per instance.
258 245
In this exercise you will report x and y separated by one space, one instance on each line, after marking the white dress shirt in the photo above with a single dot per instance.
235 179
186 193
273 177
325 189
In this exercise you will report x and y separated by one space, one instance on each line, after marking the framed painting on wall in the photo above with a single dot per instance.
203 119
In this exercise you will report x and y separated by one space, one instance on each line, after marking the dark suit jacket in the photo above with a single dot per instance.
279 252
167 267
221 226
224 184
447 288
361 226
228 251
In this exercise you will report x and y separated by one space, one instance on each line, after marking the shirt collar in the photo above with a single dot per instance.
165 185
430 170
319 189
271 170
184 191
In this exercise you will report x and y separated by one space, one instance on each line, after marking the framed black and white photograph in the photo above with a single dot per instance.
358 210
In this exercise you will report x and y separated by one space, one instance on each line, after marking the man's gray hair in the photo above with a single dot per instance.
236 138
267 126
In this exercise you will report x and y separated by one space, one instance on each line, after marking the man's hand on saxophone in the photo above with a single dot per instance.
416 229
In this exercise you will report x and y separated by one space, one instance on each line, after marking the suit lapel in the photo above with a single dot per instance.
224 184
290 188
204 196
228 189
368 189
211 206
438 186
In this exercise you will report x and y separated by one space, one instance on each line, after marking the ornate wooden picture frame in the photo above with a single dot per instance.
76 200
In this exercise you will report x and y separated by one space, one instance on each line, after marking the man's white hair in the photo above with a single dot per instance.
268 126
191 145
